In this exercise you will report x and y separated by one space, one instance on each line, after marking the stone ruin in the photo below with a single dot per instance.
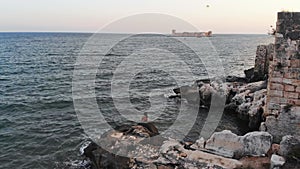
282 109
284 70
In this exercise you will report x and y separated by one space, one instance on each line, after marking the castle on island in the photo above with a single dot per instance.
191 34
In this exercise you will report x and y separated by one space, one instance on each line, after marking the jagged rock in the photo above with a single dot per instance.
287 123
289 147
277 161
250 105
256 109
229 144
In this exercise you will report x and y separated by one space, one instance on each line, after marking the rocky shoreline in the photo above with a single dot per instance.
273 139
144 148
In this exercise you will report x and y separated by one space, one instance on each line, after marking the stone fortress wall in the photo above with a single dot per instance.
284 70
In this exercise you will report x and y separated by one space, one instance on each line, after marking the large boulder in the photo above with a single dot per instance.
256 143
224 143
228 144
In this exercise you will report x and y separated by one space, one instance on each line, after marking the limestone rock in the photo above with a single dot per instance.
229 144
256 143
224 143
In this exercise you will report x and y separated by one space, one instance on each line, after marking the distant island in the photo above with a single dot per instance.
191 34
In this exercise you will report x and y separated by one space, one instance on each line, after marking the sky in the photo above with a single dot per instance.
220 16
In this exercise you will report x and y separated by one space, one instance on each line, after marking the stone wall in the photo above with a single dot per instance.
264 55
284 70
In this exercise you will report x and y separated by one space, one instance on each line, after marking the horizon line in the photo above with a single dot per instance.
91 32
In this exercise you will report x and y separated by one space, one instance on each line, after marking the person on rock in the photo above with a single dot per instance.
145 117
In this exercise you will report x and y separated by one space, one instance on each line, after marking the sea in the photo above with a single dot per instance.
40 124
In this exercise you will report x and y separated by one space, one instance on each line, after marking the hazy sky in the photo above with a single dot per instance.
222 16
